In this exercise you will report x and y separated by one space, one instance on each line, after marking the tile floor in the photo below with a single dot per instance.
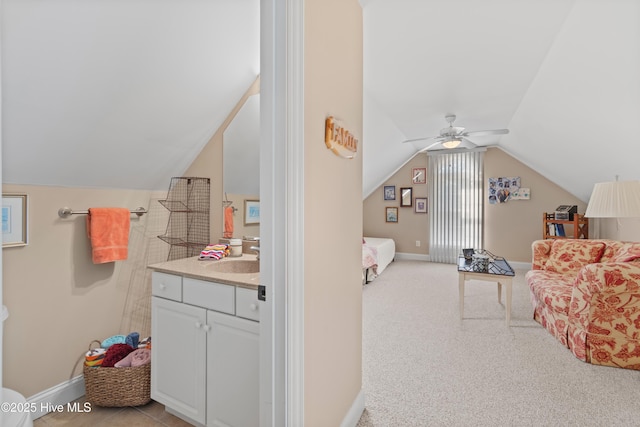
151 414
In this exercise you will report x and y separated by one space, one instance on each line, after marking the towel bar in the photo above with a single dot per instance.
65 212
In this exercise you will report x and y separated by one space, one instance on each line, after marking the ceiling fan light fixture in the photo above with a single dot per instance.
452 143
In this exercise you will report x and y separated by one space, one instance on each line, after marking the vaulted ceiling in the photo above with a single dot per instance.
561 75
120 94
100 93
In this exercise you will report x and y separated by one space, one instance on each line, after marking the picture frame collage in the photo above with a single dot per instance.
405 196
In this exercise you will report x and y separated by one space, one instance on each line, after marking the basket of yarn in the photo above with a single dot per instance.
118 375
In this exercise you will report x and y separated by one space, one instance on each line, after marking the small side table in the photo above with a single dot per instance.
498 270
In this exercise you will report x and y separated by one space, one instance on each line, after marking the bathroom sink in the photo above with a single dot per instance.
240 266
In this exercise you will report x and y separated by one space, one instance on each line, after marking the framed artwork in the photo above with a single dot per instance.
419 175
420 205
389 192
391 214
14 220
251 212
406 197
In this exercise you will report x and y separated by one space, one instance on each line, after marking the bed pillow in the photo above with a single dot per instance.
570 255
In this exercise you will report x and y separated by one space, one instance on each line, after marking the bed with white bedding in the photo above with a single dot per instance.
377 254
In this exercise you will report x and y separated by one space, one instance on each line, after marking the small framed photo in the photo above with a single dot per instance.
391 214
420 205
419 175
406 197
389 192
14 220
251 212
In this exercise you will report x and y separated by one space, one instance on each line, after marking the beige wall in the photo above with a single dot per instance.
58 300
333 213
411 226
509 227
623 229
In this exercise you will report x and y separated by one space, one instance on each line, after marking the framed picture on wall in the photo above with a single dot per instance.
251 212
391 214
14 220
389 192
406 196
420 205
419 175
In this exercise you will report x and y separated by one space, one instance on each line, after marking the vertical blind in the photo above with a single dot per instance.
455 203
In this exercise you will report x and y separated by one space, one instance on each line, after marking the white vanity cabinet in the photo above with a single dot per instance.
205 358
179 357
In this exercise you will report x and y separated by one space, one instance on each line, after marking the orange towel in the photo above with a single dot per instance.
108 229
228 222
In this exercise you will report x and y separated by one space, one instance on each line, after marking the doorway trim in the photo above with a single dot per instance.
282 212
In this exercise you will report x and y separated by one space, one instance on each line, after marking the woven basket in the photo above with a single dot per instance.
117 387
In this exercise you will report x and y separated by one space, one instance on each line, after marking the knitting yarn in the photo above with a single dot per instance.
116 353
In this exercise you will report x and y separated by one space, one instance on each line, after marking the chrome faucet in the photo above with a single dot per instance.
257 249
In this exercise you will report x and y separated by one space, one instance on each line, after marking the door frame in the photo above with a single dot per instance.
282 212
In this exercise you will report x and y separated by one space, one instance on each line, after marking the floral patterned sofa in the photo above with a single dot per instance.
586 293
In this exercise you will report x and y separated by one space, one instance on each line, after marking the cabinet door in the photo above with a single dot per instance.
233 356
178 357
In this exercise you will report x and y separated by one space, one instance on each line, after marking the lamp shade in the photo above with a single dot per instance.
452 143
618 199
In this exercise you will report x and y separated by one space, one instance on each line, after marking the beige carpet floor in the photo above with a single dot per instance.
423 366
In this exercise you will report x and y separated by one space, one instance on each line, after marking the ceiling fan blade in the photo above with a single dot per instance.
486 132
421 139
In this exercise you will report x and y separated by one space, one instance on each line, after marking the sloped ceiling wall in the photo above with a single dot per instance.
119 94
562 75
124 94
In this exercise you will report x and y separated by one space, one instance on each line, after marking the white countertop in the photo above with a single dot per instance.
202 269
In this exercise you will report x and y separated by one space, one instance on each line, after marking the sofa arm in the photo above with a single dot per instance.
540 250
605 303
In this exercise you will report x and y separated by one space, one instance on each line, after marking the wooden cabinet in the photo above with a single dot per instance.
205 359
577 228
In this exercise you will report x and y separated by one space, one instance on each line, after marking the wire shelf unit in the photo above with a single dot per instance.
188 201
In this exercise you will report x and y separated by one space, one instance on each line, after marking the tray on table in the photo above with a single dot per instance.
497 265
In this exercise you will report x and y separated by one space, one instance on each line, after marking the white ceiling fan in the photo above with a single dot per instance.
453 137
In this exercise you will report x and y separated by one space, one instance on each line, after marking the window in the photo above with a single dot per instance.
456 196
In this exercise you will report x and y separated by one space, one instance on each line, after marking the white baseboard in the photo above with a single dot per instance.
517 265
411 257
60 394
355 412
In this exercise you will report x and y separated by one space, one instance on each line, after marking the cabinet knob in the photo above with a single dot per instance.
253 307
206 327
198 325
163 286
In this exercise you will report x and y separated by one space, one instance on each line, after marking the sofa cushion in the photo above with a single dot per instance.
628 251
551 289
611 248
570 255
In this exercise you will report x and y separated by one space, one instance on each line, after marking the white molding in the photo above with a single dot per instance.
412 257
60 394
295 214
355 412
518 265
